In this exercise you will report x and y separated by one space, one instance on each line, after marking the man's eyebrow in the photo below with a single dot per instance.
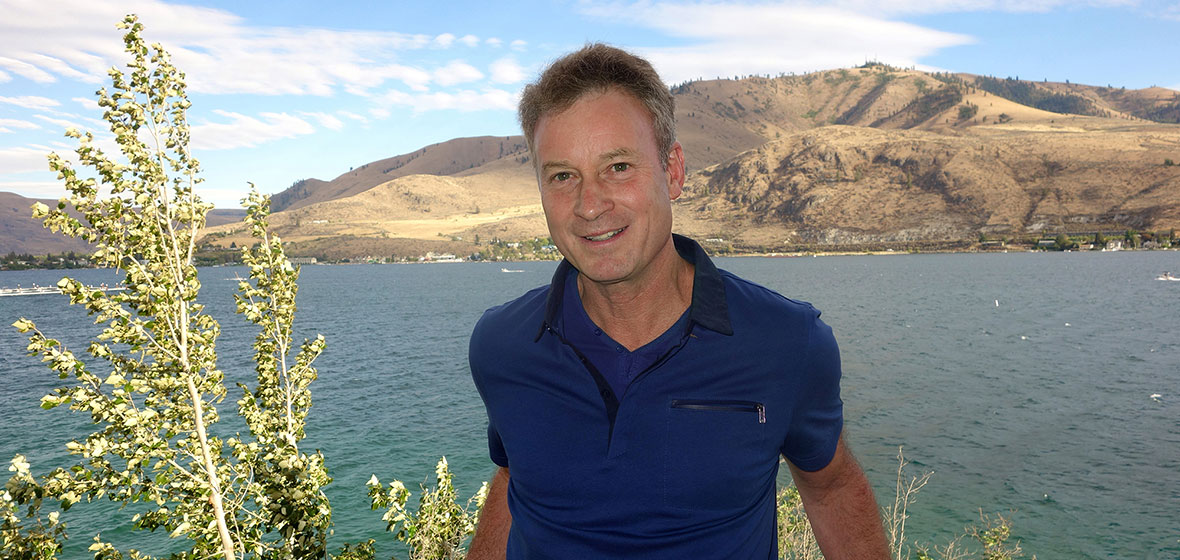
617 153
606 156
560 164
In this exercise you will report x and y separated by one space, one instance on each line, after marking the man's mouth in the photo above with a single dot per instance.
604 236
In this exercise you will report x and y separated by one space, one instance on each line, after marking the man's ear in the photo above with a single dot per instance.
675 164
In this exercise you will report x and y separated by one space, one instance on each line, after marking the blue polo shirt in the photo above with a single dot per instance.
617 364
683 465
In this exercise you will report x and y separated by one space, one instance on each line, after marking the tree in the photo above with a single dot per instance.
1062 242
248 494
437 529
256 494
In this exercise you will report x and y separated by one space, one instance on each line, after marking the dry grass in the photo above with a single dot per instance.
989 539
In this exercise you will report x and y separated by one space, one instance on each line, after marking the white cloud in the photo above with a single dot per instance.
456 72
494 42
219 51
469 40
26 70
741 38
34 102
506 71
67 120
1170 12
88 103
61 123
350 115
950 6
247 132
518 44
327 121
23 159
465 100
10 125
35 189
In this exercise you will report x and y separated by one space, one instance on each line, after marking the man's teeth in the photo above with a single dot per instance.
605 236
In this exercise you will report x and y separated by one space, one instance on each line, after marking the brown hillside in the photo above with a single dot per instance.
424 207
21 233
860 185
862 155
870 155
445 158
718 119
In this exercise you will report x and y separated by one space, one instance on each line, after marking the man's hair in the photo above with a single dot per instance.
597 68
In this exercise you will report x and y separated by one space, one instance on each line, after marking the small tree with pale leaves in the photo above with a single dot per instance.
151 384
156 397
439 527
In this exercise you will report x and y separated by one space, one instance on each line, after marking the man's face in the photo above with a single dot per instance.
606 193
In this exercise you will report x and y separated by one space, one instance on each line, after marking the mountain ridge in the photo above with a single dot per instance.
867 155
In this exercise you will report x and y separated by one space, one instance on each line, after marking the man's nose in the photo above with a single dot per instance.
593 199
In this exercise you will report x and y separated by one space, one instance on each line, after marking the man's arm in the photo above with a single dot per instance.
491 533
843 512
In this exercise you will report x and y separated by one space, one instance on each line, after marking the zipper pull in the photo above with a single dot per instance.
761 413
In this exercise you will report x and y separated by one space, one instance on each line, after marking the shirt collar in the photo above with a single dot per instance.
708 308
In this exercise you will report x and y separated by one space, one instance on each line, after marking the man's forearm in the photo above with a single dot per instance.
842 510
846 523
491 533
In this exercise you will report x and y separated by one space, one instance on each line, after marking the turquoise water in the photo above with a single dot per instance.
1022 380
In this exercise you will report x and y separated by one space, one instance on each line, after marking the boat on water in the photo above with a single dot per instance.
1168 276
45 290
510 270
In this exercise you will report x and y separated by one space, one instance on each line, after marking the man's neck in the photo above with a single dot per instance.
637 312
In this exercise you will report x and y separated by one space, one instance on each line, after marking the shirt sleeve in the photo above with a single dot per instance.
819 413
477 352
496 447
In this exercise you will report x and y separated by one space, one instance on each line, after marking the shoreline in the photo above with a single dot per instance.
735 254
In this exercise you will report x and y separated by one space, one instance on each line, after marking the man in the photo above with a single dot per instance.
639 404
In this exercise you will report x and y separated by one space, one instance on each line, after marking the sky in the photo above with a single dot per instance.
283 91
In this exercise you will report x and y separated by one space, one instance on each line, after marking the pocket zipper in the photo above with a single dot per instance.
723 406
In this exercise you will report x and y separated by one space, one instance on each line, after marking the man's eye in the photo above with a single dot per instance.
561 176
620 167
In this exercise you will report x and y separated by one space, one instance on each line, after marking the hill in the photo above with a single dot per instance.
863 156
445 158
842 185
873 156
21 233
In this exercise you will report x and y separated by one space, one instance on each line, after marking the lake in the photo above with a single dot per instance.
1023 380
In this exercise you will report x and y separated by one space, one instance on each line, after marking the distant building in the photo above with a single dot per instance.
440 257
303 260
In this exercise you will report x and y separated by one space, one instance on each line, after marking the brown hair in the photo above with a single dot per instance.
598 68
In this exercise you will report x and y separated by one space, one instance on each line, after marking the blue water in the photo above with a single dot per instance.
1038 406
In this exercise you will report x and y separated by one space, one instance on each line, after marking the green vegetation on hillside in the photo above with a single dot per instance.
1032 95
69 260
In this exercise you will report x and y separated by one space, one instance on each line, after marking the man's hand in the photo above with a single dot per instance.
843 512
491 533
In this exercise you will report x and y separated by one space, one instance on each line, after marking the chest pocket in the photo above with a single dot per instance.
715 454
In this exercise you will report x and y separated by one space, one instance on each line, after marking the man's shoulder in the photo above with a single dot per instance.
747 298
525 312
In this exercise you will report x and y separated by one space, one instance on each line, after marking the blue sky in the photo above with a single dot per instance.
298 89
